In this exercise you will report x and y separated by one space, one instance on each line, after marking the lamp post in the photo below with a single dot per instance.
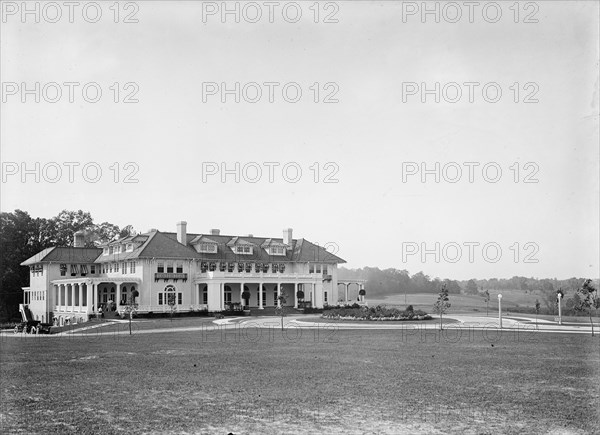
500 309
559 295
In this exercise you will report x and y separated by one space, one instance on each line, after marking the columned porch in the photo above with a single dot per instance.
74 300
232 294
352 291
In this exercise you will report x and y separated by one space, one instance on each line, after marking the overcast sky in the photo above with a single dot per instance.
371 138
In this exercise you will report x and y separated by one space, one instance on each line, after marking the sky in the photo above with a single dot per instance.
346 173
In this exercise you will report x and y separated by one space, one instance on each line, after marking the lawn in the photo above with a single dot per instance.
334 381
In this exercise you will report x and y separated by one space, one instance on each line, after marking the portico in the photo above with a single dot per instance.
75 299
232 291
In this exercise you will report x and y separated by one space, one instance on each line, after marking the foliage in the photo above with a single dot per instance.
442 304
379 312
589 299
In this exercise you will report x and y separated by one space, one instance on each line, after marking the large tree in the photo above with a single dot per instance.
20 238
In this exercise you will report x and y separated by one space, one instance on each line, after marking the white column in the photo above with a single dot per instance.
56 295
346 292
559 309
278 294
72 297
260 296
118 301
95 296
80 290
222 289
295 295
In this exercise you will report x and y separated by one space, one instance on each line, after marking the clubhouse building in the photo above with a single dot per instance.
160 271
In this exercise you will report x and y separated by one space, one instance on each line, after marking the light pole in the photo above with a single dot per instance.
500 309
559 295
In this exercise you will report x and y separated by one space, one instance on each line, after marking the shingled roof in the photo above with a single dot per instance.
165 245
64 255
301 250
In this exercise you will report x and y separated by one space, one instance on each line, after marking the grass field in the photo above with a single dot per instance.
336 382
467 303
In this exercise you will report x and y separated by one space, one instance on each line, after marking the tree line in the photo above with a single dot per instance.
395 281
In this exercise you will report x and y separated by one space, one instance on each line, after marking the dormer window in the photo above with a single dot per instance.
106 251
242 249
277 250
209 248
129 247
110 250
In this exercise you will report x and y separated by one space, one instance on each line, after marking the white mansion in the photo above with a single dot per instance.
159 271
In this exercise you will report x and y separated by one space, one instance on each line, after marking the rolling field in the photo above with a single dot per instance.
331 381
465 303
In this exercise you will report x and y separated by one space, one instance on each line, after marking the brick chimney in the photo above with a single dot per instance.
287 236
79 239
182 232
215 232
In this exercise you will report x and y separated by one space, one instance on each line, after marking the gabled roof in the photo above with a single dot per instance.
64 255
301 250
201 239
156 245
239 241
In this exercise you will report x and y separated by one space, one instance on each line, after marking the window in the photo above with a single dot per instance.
230 267
275 297
240 267
132 267
117 249
93 269
110 266
105 251
318 268
243 249
160 267
248 268
129 247
74 270
208 247
277 250
110 249
227 294
281 268
205 295
169 267
179 268
83 269
169 296
275 268
325 296
180 298
311 268
324 269
124 268
63 269
257 267
222 266
212 266
116 267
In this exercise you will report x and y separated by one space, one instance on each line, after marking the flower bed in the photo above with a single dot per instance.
378 313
